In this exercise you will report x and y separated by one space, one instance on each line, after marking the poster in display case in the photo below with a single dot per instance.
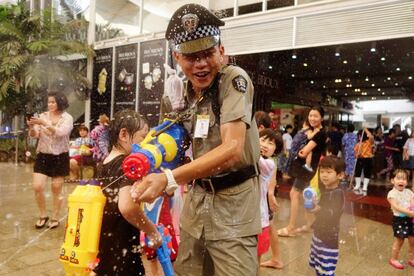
151 85
125 77
101 84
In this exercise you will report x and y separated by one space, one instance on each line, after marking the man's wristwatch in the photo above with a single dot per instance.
171 183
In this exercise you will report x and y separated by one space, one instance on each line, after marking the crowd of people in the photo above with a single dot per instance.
227 221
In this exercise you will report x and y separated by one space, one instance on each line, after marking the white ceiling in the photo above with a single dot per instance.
124 14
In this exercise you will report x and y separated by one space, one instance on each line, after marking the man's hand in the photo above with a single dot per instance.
149 188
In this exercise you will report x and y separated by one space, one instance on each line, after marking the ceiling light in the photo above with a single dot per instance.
357 90
389 78
374 98
338 80
346 94
357 71
396 84
366 79
383 58
294 55
324 86
336 90
373 47
372 84
410 77
383 93
398 69
270 67
293 75
379 89
305 64
345 62
337 52
312 82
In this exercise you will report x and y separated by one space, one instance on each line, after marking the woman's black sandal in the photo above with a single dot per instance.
41 222
53 223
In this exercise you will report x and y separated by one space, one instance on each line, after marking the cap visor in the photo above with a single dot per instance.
197 45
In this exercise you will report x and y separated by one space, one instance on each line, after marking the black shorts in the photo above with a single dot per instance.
300 184
52 165
403 227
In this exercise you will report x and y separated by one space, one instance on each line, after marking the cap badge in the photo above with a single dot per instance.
190 22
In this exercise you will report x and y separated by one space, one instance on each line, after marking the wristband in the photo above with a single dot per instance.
171 183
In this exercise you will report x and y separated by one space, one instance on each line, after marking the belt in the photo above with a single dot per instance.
217 183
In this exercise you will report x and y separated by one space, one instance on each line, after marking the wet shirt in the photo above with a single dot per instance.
100 136
365 149
320 139
57 142
388 142
349 140
409 145
234 211
403 199
119 241
327 223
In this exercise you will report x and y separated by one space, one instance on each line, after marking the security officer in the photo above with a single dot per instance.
221 215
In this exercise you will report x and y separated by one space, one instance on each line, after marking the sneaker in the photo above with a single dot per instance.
364 192
396 264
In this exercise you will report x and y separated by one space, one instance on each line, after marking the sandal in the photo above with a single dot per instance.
396 264
304 229
41 222
53 223
284 232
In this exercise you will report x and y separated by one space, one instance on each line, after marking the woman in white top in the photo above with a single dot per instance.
408 156
52 128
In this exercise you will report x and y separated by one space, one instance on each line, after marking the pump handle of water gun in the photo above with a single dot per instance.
164 251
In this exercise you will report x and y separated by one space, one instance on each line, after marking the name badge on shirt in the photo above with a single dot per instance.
202 125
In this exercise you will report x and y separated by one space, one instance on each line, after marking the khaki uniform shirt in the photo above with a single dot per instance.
235 211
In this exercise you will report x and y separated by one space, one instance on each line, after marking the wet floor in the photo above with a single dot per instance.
364 248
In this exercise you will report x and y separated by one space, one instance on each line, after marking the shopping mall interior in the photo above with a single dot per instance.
355 58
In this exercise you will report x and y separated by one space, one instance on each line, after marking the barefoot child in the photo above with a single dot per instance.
270 145
400 200
324 251
123 218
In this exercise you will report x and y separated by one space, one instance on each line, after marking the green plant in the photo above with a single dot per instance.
31 51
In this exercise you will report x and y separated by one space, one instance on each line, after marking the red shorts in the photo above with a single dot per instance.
263 243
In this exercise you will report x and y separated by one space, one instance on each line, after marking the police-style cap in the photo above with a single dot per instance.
193 28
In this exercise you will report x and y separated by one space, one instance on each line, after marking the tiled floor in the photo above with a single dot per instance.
364 249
